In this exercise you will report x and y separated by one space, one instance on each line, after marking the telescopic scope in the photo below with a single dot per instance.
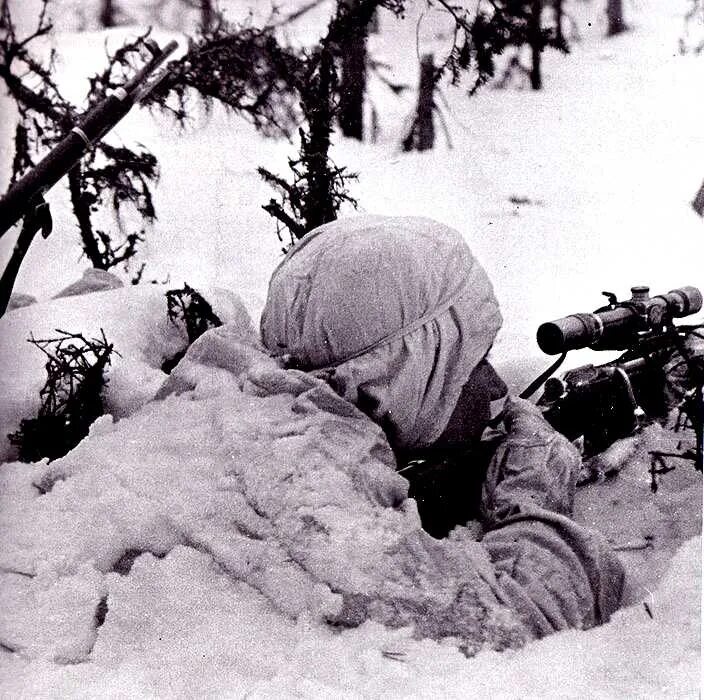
614 327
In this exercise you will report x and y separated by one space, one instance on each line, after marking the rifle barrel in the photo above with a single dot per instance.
60 159
95 123
136 87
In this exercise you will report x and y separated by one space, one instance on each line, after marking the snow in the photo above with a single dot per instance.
93 280
606 160
134 320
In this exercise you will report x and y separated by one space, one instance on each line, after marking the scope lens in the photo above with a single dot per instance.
550 338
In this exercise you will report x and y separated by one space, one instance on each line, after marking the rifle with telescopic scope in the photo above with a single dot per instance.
603 403
25 199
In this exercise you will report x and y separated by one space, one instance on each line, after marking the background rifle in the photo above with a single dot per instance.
607 402
26 197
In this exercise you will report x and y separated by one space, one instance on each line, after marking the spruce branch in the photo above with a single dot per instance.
71 397
106 175
244 69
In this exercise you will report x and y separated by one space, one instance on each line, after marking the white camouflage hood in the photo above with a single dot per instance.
393 312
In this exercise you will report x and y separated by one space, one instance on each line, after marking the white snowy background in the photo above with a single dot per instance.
606 160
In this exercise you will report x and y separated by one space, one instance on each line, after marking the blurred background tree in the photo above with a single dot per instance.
614 17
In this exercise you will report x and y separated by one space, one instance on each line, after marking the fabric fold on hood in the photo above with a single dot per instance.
393 312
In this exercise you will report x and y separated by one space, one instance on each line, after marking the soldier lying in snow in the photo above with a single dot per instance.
397 316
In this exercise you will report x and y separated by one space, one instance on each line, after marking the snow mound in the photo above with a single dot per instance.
645 515
18 301
183 612
93 280
135 321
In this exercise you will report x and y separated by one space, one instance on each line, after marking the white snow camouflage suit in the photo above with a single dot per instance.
393 314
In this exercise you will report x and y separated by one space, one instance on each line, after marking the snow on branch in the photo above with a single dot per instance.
71 397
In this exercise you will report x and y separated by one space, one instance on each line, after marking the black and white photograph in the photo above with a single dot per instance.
351 349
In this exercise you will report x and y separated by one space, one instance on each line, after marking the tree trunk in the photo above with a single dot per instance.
536 44
206 15
4 13
614 16
559 15
318 206
698 203
374 25
353 79
353 84
107 14
421 136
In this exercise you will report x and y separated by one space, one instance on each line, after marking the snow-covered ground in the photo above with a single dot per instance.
605 160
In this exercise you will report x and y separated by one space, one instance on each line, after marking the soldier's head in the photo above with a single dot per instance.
397 315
